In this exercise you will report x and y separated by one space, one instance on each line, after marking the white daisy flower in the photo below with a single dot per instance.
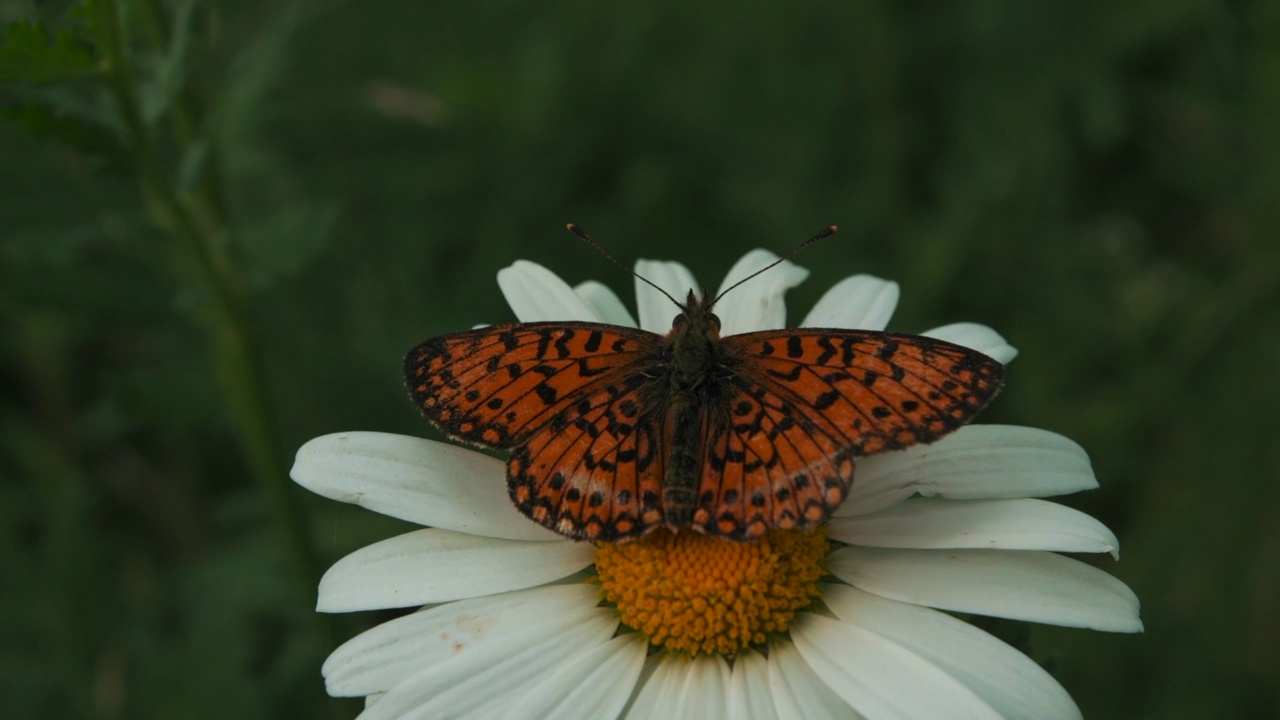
845 621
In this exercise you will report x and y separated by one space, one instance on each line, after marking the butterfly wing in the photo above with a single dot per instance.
800 405
767 465
499 386
597 474
568 400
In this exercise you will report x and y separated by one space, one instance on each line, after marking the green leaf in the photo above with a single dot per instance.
30 54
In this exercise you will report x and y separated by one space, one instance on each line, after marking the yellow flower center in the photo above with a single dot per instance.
697 594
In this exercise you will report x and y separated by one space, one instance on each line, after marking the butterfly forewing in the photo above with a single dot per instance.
499 386
874 391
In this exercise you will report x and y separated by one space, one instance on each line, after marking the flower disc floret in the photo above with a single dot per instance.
693 594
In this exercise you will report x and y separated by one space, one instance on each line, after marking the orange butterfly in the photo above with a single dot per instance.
615 431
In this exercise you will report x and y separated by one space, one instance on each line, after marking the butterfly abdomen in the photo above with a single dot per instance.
684 462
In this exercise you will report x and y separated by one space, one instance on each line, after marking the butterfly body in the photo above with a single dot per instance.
615 431
694 368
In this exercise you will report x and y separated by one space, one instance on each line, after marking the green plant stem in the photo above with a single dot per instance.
210 197
235 354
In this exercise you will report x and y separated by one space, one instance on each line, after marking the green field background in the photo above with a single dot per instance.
1098 181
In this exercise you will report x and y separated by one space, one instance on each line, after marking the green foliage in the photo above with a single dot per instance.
30 53
336 183
39 70
45 115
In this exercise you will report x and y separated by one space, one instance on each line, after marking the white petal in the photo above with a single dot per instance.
976 337
750 692
1020 524
684 688
706 688
605 303
487 682
592 684
422 481
536 294
880 678
650 665
430 566
1018 584
656 310
798 692
659 692
1006 679
861 302
757 304
973 463
385 656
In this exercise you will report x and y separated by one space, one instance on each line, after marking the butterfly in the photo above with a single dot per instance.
615 431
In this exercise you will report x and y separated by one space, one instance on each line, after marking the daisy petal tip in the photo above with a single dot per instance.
324 597
978 337
311 462
859 302
1129 624
317 444
605 303
654 310
758 304
536 294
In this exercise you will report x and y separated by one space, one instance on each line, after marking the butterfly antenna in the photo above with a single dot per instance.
828 231
583 234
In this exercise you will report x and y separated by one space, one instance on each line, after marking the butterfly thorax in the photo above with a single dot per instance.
694 345
694 334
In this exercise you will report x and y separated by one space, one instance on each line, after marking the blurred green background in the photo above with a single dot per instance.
325 184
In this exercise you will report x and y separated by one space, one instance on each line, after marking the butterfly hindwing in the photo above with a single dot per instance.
596 472
499 386
767 466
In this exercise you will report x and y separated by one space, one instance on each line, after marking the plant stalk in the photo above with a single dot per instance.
226 312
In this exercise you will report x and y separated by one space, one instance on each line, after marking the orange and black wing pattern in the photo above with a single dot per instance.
779 449
498 386
596 472
567 399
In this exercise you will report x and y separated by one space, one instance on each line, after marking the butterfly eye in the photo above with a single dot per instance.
715 320
680 321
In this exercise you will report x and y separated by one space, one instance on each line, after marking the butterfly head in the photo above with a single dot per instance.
696 318
693 337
